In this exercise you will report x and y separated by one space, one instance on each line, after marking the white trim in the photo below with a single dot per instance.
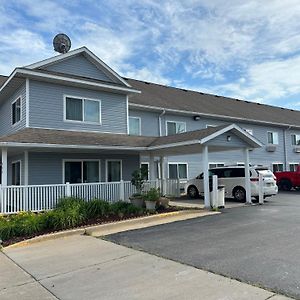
75 52
223 117
148 164
295 134
248 130
276 132
62 78
11 76
140 126
127 115
179 163
176 122
277 163
15 162
210 125
27 102
186 143
64 160
11 110
106 169
216 163
83 110
26 165
228 128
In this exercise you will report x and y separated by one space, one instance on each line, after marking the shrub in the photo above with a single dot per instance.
97 208
69 212
123 208
152 195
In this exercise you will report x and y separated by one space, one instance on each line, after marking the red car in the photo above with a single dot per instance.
288 180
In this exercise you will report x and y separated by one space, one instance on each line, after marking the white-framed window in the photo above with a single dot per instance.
134 126
293 166
81 171
177 170
277 167
273 137
82 110
113 170
174 127
16 172
16 111
212 165
250 131
145 167
295 139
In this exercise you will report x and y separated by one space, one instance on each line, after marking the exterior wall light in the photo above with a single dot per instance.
228 138
196 118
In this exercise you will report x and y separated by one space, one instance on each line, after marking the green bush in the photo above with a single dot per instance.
69 212
152 195
124 209
97 208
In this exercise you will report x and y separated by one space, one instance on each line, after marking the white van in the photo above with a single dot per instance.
233 177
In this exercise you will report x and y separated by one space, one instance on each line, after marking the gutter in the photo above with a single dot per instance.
159 122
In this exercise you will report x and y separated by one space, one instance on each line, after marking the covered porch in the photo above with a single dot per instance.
44 165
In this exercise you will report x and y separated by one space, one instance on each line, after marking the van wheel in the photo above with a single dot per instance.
193 192
285 185
239 194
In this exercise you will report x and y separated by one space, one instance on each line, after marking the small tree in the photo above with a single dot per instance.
138 178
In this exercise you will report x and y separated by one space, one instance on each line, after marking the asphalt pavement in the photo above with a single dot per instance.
259 245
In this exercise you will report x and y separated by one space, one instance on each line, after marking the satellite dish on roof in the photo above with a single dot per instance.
61 43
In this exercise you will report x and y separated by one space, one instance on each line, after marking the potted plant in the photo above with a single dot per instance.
151 198
138 179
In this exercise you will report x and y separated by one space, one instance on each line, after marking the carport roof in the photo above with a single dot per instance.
37 137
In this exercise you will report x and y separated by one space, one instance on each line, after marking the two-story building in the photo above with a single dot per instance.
71 118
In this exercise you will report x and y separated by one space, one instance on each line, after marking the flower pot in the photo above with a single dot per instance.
137 201
151 205
163 201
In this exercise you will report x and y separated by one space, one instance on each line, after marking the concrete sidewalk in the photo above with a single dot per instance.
84 267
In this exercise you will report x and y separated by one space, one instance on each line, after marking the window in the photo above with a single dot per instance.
215 165
82 171
272 137
16 111
250 131
113 170
295 139
293 167
178 170
145 168
16 173
277 167
134 126
175 127
82 110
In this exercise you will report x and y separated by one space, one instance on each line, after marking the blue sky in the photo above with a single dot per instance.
241 49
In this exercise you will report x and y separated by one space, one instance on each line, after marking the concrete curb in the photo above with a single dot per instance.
109 228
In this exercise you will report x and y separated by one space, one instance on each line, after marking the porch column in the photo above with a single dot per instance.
25 167
4 166
151 167
163 175
247 176
205 167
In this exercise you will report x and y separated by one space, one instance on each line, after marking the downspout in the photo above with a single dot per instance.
284 147
159 122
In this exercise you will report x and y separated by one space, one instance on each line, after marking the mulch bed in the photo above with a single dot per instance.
97 221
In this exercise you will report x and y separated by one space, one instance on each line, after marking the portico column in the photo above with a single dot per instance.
247 176
163 175
151 167
25 167
4 166
205 176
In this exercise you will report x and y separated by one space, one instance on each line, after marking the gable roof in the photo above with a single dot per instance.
72 139
2 79
89 55
186 101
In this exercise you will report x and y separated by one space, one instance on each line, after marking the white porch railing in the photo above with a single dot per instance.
36 198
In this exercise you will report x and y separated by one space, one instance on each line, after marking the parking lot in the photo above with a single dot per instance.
257 244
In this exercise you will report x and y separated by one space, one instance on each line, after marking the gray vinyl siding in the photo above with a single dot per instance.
149 122
6 126
10 160
47 108
292 156
194 161
47 168
80 66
